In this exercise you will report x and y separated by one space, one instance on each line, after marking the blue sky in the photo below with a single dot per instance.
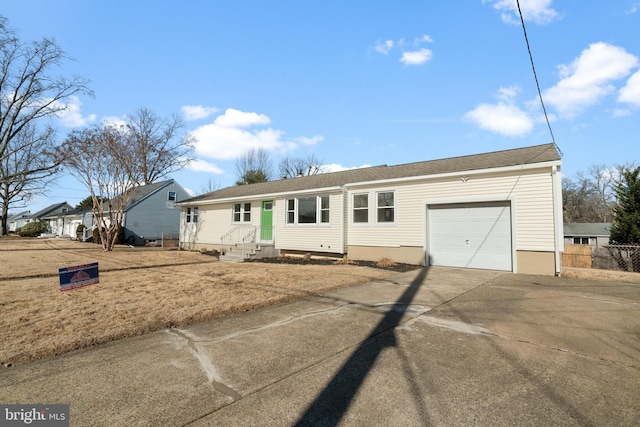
354 82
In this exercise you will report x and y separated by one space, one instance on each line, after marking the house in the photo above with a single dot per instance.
595 234
51 215
15 222
150 214
66 223
499 210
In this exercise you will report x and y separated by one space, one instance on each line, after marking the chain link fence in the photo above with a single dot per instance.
606 257
170 240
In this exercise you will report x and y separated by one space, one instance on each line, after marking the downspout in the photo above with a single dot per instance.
343 188
556 183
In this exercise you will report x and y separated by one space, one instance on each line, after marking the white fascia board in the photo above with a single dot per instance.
472 172
261 196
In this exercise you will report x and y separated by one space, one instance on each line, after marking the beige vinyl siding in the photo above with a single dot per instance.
530 193
309 237
216 220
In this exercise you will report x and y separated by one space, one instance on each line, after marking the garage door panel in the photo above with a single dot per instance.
471 235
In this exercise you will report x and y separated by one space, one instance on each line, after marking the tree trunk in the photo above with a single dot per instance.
5 214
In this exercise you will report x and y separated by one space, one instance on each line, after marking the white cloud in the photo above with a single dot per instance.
199 165
114 121
414 57
589 78
233 118
71 116
309 141
538 11
504 118
630 93
424 39
384 47
197 112
234 132
508 93
417 57
335 167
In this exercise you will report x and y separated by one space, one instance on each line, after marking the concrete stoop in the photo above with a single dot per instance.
260 250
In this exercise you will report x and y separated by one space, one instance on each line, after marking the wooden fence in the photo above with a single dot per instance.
577 256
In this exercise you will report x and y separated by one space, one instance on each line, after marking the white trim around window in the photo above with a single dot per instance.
241 212
192 214
373 208
385 207
313 210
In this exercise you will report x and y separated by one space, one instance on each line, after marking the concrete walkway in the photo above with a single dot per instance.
436 346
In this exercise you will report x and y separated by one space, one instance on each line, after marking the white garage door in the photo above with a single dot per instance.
474 235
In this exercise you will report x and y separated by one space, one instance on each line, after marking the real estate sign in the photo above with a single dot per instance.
78 276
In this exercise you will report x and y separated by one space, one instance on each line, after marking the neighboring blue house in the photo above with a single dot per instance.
152 212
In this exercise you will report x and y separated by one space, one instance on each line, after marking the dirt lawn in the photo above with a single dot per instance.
140 290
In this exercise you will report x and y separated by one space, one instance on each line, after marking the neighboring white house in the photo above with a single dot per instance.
66 223
593 234
15 222
499 210
50 215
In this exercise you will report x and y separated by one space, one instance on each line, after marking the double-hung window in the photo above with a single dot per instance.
192 214
172 196
308 210
361 208
386 206
242 212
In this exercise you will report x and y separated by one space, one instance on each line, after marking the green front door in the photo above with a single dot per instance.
266 223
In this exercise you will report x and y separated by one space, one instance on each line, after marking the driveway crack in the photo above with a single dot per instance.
207 365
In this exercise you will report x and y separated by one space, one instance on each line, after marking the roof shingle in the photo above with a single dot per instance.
513 157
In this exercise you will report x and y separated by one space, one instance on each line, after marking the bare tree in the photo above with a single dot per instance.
29 94
254 166
209 186
601 181
99 157
29 91
159 144
590 196
291 167
27 171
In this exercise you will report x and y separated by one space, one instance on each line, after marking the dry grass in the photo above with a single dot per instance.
140 290
595 274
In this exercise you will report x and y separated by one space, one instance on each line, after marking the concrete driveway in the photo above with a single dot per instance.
437 346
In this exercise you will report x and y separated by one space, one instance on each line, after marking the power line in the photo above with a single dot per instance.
535 76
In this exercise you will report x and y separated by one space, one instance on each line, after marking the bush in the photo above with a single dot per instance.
96 236
385 263
119 236
33 229
345 261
